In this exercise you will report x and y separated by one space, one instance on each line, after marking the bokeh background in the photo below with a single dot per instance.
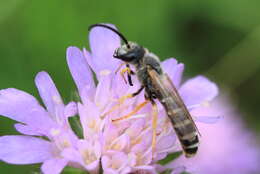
220 39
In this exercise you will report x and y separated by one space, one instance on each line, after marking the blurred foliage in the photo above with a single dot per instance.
218 38
169 158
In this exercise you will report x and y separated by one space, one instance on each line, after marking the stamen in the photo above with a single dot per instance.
104 72
203 104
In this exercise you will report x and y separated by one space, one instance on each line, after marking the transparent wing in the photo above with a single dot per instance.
166 88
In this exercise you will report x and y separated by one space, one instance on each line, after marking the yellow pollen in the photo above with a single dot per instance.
136 141
88 157
116 146
56 99
65 144
92 124
105 72
205 104
55 132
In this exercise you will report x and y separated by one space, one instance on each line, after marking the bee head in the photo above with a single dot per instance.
129 52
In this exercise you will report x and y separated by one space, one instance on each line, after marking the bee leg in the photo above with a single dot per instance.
129 73
128 96
154 125
135 110
122 72
122 99
129 79
120 66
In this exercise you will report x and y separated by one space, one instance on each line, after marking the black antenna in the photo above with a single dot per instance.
112 29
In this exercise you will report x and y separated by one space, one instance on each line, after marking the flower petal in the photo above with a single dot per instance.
179 170
89 60
103 92
119 160
23 107
166 142
198 90
24 149
174 70
80 70
53 166
207 119
71 109
120 143
103 43
145 169
28 130
48 92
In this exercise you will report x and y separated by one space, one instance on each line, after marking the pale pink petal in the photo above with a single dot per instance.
110 133
103 43
48 92
106 163
80 71
119 160
70 109
174 70
23 107
89 118
179 170
72 155
135 129
53 166
145 144
165 142
145 169
110 171
198 90
90 60
126 170
103 92
28 130
92 148
121 143
81 156
24 149
93 167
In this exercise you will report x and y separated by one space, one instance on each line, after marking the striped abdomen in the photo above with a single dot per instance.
183 126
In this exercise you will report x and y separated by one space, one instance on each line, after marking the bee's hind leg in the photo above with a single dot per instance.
154 125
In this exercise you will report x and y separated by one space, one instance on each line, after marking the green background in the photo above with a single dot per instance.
220 39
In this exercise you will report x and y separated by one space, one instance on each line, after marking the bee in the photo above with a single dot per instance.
157 85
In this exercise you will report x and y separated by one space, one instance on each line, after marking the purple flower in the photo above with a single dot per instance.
124 146
121 147
226 147
34 120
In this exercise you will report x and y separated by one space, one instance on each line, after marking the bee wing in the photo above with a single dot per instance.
166 88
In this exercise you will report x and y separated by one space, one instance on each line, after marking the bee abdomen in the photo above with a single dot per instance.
190 146
187 134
